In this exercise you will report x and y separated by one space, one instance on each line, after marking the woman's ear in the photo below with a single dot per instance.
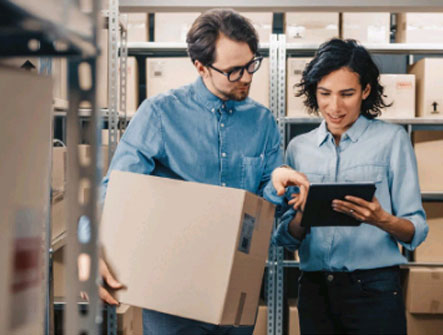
366 91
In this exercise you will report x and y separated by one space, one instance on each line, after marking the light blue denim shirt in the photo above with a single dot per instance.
371 150
190 134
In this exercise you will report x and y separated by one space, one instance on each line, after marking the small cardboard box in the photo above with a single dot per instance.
261 323
429 97
399 89
294 324
138 27
59 164
262 23
424 324
173 27
419 28
367 27
431 250
311 27
428 146
424 290
188 249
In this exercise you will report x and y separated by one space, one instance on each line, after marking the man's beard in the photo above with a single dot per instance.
237 94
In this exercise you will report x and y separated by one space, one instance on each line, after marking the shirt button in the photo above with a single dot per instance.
213 110
230 111
222 125
330 278
223 106
223 154
223 184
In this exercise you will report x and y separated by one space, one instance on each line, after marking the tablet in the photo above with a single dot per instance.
318 209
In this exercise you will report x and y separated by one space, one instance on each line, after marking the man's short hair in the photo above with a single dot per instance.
333 55
207 28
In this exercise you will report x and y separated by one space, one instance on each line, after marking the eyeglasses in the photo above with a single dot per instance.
237 72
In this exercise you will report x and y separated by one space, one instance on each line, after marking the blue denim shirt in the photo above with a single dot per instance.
371 150
190 134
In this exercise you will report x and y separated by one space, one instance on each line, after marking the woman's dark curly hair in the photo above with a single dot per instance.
333 55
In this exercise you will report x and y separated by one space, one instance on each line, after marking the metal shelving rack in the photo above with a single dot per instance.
278 50
61 29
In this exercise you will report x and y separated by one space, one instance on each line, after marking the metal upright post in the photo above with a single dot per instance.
82 218
123 71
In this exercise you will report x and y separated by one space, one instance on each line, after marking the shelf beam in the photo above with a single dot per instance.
394 6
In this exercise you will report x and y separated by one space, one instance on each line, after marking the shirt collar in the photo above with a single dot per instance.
211 101
353 133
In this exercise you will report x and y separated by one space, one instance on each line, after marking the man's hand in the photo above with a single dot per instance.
282 177
109 281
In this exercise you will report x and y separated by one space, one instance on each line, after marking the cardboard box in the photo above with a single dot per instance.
59 164
419 28
58 214
259 90
429 97
30 64
399 89
262 23
294 322
131 87
431 250
424 290
138 27
58 269
60 76
173 27
311 27
206 256
25 155
261 323
423 324
367 27
295 106
129 320
162 74
428 147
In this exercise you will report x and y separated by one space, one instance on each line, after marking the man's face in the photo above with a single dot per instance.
228 55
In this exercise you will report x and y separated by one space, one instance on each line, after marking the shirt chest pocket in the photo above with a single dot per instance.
252 172
315 177
364 173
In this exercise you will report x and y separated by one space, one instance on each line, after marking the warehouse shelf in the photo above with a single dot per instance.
86 113
293 49
45 28
168 49
394 6
432 196
296 264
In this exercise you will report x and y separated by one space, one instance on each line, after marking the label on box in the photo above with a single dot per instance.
246 233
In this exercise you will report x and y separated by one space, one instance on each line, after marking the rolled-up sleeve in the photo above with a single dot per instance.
281 236
405 189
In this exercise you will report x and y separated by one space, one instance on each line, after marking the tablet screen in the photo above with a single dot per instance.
318 210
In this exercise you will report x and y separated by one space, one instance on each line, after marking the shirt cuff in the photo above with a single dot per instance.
281 236
270 194
420 233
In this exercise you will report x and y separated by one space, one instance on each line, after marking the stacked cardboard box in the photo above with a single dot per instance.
367 27
208 268
424 301
420 28
428 146
262 23
311 27
173 27
129 320
399 89
24 178
261 323
429 97
294 324
431 250
138 27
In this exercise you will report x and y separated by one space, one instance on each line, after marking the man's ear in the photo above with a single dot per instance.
201 69
366 91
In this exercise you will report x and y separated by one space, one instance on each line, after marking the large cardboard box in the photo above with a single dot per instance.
262 23
311 27
173 27
259 90
424 324
424 290
131 86
294 324
261 323
428 146
367 27
162 74
59 165
431 250
188 249
295 106
25 156
429 98
138 27
129 320
419 28
399 89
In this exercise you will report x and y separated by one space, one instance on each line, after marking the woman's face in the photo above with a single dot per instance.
339 98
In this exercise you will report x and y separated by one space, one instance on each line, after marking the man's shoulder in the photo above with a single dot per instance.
175 95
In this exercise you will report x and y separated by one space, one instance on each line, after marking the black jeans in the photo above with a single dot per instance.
359 302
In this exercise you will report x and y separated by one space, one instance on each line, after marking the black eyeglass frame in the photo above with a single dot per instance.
241 68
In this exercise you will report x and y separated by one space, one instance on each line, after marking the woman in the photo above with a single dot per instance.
350 275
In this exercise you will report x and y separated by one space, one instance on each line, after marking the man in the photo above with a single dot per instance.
209 132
